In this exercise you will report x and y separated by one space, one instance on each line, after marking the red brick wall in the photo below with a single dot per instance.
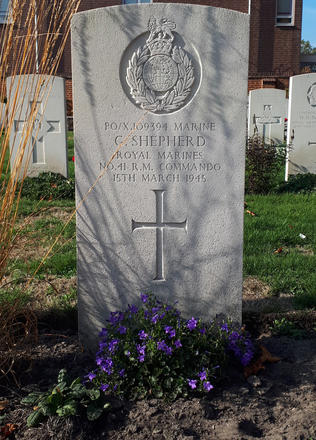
274 50
237 5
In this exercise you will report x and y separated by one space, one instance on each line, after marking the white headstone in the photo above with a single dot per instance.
266 114
46 148
301 135
167 216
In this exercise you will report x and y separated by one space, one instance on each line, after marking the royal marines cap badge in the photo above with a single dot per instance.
160 74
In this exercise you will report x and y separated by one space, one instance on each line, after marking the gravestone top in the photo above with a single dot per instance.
266 114
301 138
167 215
46 149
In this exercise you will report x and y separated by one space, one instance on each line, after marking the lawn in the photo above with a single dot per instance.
280 244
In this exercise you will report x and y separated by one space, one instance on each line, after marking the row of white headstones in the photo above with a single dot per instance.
268 111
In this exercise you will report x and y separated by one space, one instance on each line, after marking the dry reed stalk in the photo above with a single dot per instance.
44 24
35 28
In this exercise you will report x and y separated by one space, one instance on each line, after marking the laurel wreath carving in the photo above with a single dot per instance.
149 99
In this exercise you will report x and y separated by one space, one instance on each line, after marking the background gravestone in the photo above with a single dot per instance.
266 114
167 216
47 146
301 135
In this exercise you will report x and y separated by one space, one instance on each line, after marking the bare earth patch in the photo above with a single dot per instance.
257 298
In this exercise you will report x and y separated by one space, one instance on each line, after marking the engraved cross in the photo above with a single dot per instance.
159 225
41 127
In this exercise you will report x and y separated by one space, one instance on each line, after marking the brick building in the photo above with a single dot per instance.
275 36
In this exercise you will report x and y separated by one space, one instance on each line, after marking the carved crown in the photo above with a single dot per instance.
160 46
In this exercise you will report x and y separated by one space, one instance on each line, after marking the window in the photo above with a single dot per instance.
285 12
4 6
128 2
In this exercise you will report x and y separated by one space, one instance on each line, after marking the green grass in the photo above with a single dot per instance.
28 207
61 264
71 164
279 221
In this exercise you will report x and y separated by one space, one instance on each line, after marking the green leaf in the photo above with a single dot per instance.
69 409
94 412
48 410
76 382
94 394
35 418
32 398
60 387
62 376
78 391
53 401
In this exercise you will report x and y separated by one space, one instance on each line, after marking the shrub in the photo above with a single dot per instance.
152 351
264 163
48 186
301 183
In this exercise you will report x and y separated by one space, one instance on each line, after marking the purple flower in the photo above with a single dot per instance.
155 318
191 324
103 333
168 350
202 331
202 375
155 309
246 358
99 360
107 366
234 336
112 345
122 372
172 333
141 349
161 345
141 357
91 376
162 316
122 330
103 345
208 386
224 327
127 353
115 387
144 297
192 383
115 317
177 343
142 335
132 309
104 387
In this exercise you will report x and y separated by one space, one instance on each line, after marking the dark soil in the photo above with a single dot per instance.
277 404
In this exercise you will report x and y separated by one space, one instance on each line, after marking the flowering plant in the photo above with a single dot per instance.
152 351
